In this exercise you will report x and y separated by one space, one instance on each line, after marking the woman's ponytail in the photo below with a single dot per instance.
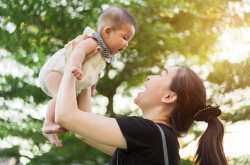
210 146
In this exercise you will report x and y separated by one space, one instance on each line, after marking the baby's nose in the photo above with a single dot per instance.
126 44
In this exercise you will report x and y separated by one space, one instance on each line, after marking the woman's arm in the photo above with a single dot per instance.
84 103
104 148
97 128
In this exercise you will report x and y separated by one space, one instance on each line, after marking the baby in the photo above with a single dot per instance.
116 27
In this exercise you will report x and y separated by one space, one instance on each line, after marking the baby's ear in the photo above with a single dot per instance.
107 31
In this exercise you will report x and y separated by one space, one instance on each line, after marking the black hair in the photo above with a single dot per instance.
115 17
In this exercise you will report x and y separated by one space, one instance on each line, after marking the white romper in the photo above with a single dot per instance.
90 68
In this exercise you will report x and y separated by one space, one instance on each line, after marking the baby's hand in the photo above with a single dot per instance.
93 92
76 72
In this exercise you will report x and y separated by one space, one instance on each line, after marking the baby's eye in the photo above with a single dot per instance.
160 74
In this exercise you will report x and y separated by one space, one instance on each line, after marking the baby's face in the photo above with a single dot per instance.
119 38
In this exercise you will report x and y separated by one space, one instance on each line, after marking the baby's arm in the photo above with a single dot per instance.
85 47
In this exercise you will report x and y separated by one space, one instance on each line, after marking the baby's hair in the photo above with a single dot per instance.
115 17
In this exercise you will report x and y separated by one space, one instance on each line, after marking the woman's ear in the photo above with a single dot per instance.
107 31
169 98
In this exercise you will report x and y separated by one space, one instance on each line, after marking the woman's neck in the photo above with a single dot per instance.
166 122
164 119
158 115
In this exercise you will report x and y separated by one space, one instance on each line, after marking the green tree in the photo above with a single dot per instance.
168 29
231 79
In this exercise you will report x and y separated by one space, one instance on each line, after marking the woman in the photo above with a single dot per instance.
173 100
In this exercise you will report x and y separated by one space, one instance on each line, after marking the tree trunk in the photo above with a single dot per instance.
110 109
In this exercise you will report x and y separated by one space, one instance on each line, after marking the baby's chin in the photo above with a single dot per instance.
115 52
112 54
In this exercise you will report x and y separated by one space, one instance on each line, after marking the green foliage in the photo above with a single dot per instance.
241 114
186 162
231 79
239 161
166 27
73 151
231 76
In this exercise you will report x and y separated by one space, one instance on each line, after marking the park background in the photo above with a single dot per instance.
210 36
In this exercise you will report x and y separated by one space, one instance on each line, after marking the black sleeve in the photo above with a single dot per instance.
138 132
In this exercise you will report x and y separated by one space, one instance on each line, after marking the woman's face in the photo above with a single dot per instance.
157 86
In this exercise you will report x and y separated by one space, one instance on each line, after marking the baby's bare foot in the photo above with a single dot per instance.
53 139
76 72
52 127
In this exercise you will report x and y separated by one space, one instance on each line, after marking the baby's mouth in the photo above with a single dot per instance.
120 50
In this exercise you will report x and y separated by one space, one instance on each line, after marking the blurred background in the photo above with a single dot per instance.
210 36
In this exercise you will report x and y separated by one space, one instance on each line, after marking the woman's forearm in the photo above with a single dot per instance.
66 102
84 104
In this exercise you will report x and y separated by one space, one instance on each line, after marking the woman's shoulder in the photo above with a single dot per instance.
135 122
130 120
137 119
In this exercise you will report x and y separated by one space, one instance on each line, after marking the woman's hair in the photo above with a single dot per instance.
191 97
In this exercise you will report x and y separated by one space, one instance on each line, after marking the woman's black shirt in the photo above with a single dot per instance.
144 143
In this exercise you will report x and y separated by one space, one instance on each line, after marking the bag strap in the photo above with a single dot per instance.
165 151
118 155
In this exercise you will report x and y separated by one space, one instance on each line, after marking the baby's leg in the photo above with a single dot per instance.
52 81
93 90
49 126
84 100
